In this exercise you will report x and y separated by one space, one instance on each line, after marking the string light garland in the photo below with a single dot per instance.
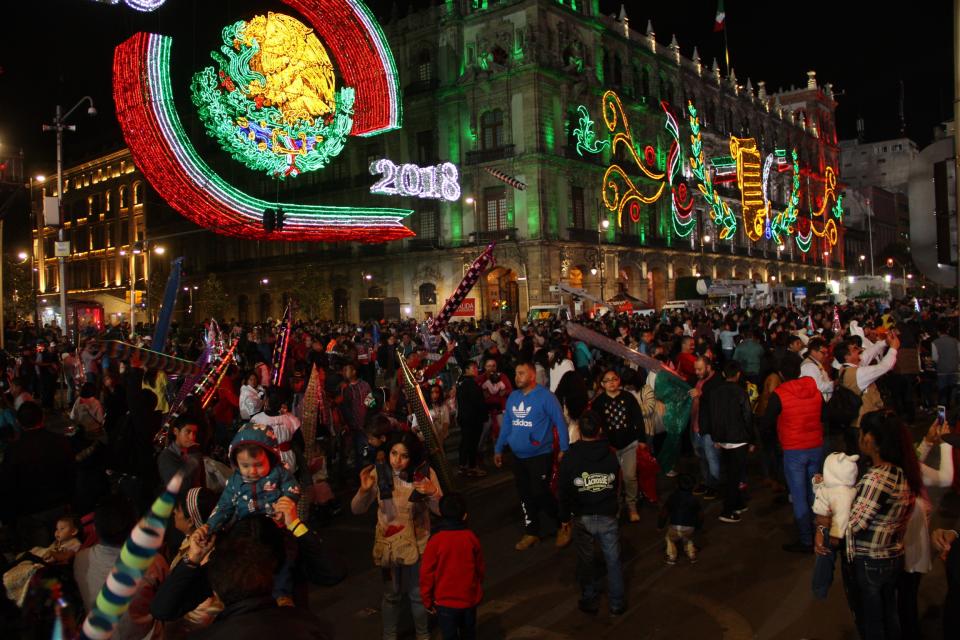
273 104
619 189
440 182
586 137
720 213
163 152
750 182
681 203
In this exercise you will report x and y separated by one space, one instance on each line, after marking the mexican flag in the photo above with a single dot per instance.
718 22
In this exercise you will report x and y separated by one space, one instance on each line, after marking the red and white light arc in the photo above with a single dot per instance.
163 152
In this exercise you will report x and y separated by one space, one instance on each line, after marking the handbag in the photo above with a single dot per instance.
393 546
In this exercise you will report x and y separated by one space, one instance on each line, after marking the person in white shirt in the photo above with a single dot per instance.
251 397
813 367
863 380
560 365
285 426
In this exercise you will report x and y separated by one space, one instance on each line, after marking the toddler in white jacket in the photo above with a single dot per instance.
834 493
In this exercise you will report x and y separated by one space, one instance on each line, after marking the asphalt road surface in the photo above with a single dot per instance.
743 585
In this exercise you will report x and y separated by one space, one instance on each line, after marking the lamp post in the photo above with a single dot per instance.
59 125
601 227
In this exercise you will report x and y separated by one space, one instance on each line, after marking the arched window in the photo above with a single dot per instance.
428 293
122 200
266 304
424 66
617 71
491 129
645 82
137 193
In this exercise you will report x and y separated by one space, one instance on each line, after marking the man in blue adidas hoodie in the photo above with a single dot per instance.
531 414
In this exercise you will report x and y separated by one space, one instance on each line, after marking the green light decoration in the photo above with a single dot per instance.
837 209
586 137
681 206
577 62
720 213
484 60
279 130
783 223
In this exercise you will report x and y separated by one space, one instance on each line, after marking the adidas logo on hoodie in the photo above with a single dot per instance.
520 412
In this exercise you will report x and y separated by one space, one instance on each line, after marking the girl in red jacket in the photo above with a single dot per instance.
451 572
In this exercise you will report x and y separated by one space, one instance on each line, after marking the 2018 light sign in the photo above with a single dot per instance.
438 182
161 149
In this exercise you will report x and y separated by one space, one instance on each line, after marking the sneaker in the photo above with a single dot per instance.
733 517
634 516
671 560
710 494
797 547
700 489
741 510
618 611
588 606
672 474
526 542
691 550
564 535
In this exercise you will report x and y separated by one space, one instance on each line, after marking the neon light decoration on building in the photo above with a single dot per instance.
161 149
273 103
746 167
440 182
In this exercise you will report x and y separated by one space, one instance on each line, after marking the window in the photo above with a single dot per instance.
428 222
426 147
617 71
138 193
123 198
495 204
645 81
491 129
576 198
424 66
428 293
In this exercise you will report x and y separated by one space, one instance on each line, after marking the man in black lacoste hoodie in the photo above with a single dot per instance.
589 475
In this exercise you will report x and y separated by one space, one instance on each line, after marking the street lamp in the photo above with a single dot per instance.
159 250
603 226
59 125
476 223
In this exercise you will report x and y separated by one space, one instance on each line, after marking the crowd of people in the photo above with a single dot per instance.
820 399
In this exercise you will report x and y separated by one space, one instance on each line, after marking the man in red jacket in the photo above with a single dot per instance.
451 572
795 406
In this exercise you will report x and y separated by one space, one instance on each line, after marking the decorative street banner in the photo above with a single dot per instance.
467 308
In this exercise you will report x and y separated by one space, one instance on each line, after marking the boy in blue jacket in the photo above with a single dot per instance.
532 413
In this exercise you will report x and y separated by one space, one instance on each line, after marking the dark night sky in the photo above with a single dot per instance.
62 50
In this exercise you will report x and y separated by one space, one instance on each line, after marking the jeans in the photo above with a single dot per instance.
877 584
532 476
772 455
799 467
605 530
709 458
628 466
823 569
470 432
400 581
457 624
734 463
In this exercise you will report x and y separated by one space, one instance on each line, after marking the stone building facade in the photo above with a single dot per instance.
496 87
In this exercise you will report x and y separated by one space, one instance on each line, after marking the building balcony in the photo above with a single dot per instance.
498 235
489 155
575 234
423 244
570 153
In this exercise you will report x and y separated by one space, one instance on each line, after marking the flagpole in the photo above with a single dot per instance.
726 49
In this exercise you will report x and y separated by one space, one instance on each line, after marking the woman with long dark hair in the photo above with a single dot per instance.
878 523
405 490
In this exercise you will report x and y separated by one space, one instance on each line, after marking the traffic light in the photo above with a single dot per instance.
268 220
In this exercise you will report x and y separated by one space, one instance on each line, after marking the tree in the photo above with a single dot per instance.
213 298
19 297
313 298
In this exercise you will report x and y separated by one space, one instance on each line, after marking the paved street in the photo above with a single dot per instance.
743 586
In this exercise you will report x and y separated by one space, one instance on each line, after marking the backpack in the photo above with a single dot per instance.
844 405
